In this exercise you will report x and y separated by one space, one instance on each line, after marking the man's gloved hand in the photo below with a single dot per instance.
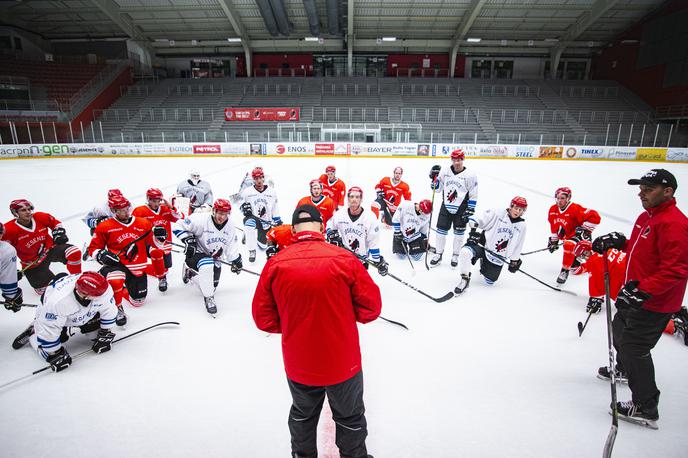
190 246
270 251
334 238
236 265
59 360
160 233
514 265
594 304
434 172
553 243
630 296
474 237
14 303
246 209
382 267
60 236
582 234
107 258
380 194
103 341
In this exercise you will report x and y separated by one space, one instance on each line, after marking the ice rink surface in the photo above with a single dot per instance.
499 371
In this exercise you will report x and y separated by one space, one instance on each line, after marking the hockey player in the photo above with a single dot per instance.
390 193
279 237
247 182
504 232
323 203
593 264
36 248
260 212
459 189
570 223
208 238
82 301
11 292
160 213
196 190
100 212
357 230
333 187
122 245
411 222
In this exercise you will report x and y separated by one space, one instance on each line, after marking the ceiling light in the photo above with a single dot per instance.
310 39
234 40
473 40
389 38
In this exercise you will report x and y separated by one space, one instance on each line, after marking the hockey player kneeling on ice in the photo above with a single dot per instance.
260 212
208 238
81 301
11 292
411 224
503 234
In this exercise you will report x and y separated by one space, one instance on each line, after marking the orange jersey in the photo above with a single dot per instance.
164 217
335 191
394 193
595 268
326 207
31 241
113 235
280 236
564 222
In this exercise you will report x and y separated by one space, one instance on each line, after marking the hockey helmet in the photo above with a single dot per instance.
91 284
222 205
257 173
114 192
154 193
118 202
18 204
564 190
425 206
582 247
330 168
457 154
520 202
355 189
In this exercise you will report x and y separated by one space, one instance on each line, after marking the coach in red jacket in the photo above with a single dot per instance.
655 283
313 293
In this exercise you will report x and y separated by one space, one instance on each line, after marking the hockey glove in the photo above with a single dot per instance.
608 241
631 297
131 252
237 265
380 194
466 216
474 237
334 238
382 267
594 304
270 251
434 172
60 236
514 265
246 209
107 258
59 360
553 243
160 233
582 234
189 246
14 303
103 342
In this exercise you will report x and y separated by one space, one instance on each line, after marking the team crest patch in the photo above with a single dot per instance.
646 232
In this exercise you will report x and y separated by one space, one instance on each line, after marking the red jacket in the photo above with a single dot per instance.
658 256
314 293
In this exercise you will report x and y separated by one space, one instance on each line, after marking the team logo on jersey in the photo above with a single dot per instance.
502 244
646 232
353 246
451 197
50 316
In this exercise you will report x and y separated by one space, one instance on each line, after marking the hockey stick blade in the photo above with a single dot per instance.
85 352
445 298
609 444
394 322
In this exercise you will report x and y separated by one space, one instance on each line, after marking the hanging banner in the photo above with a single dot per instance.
262 114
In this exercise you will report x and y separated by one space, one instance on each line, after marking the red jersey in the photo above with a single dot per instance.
113 235
164 217
563 223
326 207
280 236
31 241
335 191
393 193
595 267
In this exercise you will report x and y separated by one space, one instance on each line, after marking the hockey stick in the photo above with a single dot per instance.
581 326
21 305
218 260
611 437
502 258
85 352
432 206
537 251
408 256
42 254
393 322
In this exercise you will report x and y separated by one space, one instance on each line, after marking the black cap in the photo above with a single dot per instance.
657 177
313 215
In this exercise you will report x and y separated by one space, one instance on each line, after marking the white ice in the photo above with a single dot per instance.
500 371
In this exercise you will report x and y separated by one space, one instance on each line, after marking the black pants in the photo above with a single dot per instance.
446 220
136 286
488 269
192 262
348 413
636 332
40 276
387 214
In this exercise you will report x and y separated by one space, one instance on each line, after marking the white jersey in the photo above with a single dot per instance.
59 308
99 212
361 236
249 182
198 194
503 235
263 204
210 239
409 223
8 270
456 188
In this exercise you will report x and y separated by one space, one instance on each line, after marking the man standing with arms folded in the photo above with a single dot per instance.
655 283
313 293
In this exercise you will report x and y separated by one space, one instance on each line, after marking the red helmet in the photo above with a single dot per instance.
114 192
425 206
316 181
354 189
118 202
564 190
91 284
330 168
519 201
18 204
582 247
257 173
154 193
222 205
457 154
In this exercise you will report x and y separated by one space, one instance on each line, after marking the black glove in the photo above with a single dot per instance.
398 236
465 216
380 194
474 237
434 172
59 360
20 274
60 236
334 238
582 234
236 265
382 267
553 243
217 253
605 242
190 246
270 251
103 341
630 296
160 233
246 209
14 303
514 265
594 304
107 258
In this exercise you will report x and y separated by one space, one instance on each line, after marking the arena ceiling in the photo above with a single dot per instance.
203 26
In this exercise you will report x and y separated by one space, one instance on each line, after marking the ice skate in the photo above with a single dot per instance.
455 260
603 374
563 276
23 338
436 259
121 319
635 413
463 284
252 256
210 305
162 284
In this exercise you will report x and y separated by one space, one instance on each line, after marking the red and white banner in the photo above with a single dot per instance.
262 114
207 149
